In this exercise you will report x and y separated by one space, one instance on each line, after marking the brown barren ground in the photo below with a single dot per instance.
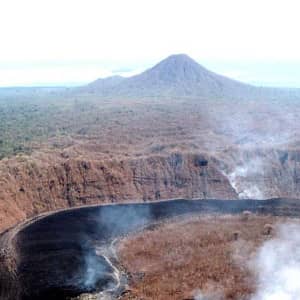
211 254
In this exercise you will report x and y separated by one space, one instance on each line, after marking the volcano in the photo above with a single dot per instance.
176 76
179 76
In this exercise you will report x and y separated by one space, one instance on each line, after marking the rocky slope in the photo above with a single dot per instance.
32 187
263 172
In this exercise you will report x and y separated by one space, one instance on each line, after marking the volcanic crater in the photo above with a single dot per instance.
175 131
55 256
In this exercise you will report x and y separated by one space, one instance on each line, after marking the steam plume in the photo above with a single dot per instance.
278 265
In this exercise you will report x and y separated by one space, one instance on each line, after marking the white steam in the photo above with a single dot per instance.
278 266
98 271
243 179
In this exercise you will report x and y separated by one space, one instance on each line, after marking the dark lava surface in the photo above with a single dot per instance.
56 257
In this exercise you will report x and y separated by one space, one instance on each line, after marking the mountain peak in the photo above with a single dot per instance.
178 75
179 60
179 57
177 68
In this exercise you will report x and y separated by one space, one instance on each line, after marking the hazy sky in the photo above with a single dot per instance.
74 41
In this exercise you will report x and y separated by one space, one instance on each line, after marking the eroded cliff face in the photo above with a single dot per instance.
30 187
261 173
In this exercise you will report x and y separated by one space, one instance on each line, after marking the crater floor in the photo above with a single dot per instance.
208 255
55 256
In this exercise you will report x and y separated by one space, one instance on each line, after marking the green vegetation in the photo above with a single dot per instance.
20 124
28 122
29 119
